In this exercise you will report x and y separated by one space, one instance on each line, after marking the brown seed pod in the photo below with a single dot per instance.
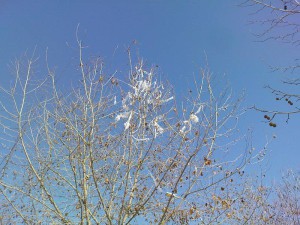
207 161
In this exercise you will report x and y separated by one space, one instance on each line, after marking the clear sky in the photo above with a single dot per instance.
175 35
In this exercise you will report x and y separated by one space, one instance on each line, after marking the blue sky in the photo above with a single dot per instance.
176 35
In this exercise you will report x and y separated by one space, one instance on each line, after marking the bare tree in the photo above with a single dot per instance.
278 204
286 206
279 20
115 151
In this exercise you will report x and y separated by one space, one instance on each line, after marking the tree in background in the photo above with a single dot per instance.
280 21
115 151
286 206
278 204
